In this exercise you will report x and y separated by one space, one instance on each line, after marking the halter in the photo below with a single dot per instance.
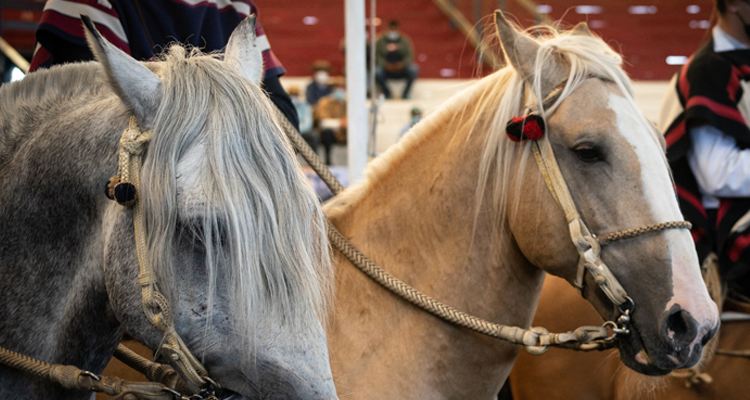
587 244
537 339
124 188
156 307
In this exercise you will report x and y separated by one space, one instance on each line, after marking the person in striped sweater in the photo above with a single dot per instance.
144 28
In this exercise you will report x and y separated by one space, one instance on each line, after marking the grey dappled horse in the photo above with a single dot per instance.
236 237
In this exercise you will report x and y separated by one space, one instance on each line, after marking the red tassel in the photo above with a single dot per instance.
532 130
528 127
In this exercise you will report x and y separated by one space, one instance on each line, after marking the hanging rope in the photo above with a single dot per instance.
70 377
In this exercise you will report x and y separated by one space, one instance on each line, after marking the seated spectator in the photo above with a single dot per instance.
319 87
304 111
394 59
330 118
416 116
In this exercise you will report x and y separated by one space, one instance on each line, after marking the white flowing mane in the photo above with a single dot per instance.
248 203
489 104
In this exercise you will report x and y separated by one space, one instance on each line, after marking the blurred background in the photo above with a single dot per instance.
654 36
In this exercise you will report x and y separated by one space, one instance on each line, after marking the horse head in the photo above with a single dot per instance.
614 165
235 236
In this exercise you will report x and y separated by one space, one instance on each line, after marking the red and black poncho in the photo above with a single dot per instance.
710 92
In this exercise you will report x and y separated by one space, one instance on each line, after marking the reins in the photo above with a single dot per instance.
537 339
125 188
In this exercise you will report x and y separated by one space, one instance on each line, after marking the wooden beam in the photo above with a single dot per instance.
14 56
468 29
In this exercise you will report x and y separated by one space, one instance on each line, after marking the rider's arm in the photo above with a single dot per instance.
720 167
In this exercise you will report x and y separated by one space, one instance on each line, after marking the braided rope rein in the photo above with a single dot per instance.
71 377
536 340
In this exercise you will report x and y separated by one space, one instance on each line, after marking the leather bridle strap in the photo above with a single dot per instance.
587 244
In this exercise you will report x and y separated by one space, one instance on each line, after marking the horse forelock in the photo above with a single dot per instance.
218 159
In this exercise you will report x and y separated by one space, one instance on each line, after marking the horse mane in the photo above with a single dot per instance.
487 106
247 204
45 89
48 85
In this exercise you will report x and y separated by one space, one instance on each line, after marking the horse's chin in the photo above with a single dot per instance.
635 356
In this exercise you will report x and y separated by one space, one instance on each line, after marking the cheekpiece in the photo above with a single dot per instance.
528 127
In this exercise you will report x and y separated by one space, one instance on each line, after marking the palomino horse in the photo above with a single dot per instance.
234 234
462 213
561 375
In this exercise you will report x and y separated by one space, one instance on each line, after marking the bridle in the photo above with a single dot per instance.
588 245
156 307
537 339
125 189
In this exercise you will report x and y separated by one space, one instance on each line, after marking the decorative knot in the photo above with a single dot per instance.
135 145
121 187
529 127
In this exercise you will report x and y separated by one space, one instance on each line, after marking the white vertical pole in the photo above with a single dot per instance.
356 90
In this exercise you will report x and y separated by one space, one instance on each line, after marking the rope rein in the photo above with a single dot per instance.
70 377
537 339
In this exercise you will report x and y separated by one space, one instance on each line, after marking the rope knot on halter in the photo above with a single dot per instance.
132 145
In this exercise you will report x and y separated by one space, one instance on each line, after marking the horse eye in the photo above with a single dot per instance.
588 154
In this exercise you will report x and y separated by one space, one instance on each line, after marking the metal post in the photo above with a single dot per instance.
501 5
356 91
374 103
453 23
478 27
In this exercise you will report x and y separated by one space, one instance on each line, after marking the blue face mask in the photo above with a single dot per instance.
392 35
339 95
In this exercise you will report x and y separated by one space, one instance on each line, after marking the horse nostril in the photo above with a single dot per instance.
681 328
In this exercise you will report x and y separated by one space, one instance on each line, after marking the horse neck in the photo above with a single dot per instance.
417 221
55 304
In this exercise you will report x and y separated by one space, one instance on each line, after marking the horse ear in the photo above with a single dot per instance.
519 49
136 85
582 29
243 52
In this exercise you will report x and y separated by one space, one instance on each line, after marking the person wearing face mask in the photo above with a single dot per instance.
394 59
330 117
705 118
319 87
